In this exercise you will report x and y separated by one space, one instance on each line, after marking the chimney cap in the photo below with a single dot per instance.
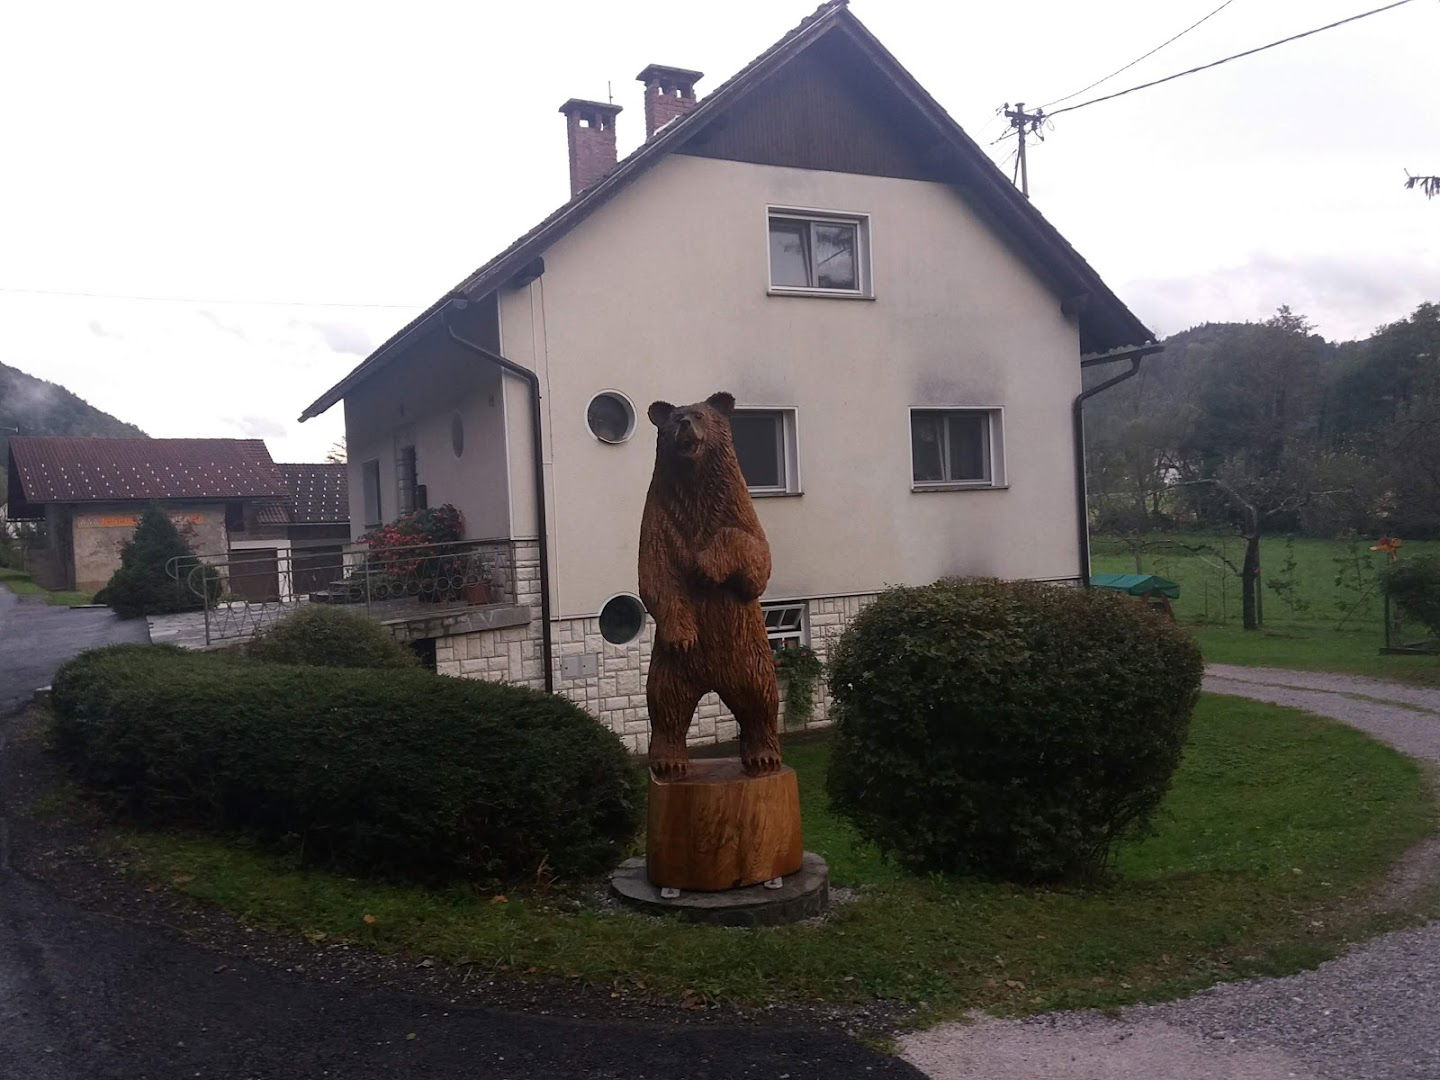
658 72
576 104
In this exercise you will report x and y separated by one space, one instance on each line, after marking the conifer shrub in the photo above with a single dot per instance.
395 773
143 585
319 635
1007 729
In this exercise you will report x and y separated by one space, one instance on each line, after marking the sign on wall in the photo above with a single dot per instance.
129 521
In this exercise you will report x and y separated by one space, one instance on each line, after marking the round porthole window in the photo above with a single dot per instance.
611 417
457 434
621 619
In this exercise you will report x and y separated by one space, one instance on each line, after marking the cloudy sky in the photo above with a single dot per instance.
290 182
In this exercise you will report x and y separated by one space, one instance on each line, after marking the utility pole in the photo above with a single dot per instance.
1022 122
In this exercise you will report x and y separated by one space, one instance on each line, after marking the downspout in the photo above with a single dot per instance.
1078 424
538 453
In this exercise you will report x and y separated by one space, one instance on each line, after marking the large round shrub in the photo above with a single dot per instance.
387 771
1007 729
319 635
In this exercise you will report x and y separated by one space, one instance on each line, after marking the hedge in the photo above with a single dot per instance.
1015 730
319 635
392 772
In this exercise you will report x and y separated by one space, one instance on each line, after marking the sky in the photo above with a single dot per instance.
288 183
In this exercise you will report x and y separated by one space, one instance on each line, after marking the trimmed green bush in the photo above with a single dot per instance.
391 772
319 635
143 586
1414 584
1014 730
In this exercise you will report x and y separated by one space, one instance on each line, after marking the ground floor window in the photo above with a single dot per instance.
956 447
765 447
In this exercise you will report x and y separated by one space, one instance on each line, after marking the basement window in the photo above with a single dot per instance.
819 255
784 625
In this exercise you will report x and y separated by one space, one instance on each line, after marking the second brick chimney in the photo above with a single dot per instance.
590 131
669 93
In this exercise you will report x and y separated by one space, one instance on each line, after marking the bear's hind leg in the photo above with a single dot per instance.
672 695
756 708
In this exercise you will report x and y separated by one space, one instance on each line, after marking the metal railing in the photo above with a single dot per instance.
246 590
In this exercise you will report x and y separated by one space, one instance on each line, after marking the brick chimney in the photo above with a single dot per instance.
669 93
590 130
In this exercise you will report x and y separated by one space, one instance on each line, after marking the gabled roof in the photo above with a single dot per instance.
319 494
65 469
1105 322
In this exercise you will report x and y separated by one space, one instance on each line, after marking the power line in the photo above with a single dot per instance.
1226 60
203 300
1132 63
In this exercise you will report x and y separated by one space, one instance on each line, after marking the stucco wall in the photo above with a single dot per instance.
419 400
100 530
663 294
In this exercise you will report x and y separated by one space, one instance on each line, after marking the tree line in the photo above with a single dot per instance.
1268 427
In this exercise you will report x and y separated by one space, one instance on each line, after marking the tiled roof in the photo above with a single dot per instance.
67 469
319 493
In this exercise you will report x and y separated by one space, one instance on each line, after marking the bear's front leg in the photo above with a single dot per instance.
736 558
672 694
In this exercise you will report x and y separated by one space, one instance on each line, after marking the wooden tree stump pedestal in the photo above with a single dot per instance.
720 828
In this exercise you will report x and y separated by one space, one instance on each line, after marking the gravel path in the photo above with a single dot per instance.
1372 1013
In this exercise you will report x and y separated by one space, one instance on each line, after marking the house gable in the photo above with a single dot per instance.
824 110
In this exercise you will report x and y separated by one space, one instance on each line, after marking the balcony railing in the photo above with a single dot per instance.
243 591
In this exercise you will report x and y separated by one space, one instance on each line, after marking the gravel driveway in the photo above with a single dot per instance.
1371 1013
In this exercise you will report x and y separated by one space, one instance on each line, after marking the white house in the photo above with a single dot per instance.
902 329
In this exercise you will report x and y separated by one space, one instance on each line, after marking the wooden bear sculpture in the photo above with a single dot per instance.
704 562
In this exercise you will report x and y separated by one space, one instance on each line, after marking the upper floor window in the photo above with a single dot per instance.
819 253
956 448
765 445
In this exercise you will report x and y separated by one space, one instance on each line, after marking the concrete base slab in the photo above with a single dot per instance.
802 895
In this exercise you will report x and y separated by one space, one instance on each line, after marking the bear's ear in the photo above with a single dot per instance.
721 402
659 412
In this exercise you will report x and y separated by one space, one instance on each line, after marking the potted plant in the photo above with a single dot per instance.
479 577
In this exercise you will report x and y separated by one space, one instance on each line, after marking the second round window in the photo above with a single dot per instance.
621 619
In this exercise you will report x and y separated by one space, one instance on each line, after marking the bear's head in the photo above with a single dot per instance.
695 433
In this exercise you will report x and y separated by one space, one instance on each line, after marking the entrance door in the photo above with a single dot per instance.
255 574
316 568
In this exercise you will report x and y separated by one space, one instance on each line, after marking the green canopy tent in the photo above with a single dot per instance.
1137 584
1157 591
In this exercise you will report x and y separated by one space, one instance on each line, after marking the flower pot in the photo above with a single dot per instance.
478 593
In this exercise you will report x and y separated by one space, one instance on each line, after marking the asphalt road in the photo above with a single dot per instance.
36 638
89 996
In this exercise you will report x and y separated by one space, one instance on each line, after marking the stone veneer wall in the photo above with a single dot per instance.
617 694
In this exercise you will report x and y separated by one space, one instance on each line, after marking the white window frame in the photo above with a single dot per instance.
789 448
799 634
996 430
863 280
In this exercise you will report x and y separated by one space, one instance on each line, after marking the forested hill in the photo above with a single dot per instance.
1322 436
36 407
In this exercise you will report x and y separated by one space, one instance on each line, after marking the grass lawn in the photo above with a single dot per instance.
1324 626
20 583
1275 817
